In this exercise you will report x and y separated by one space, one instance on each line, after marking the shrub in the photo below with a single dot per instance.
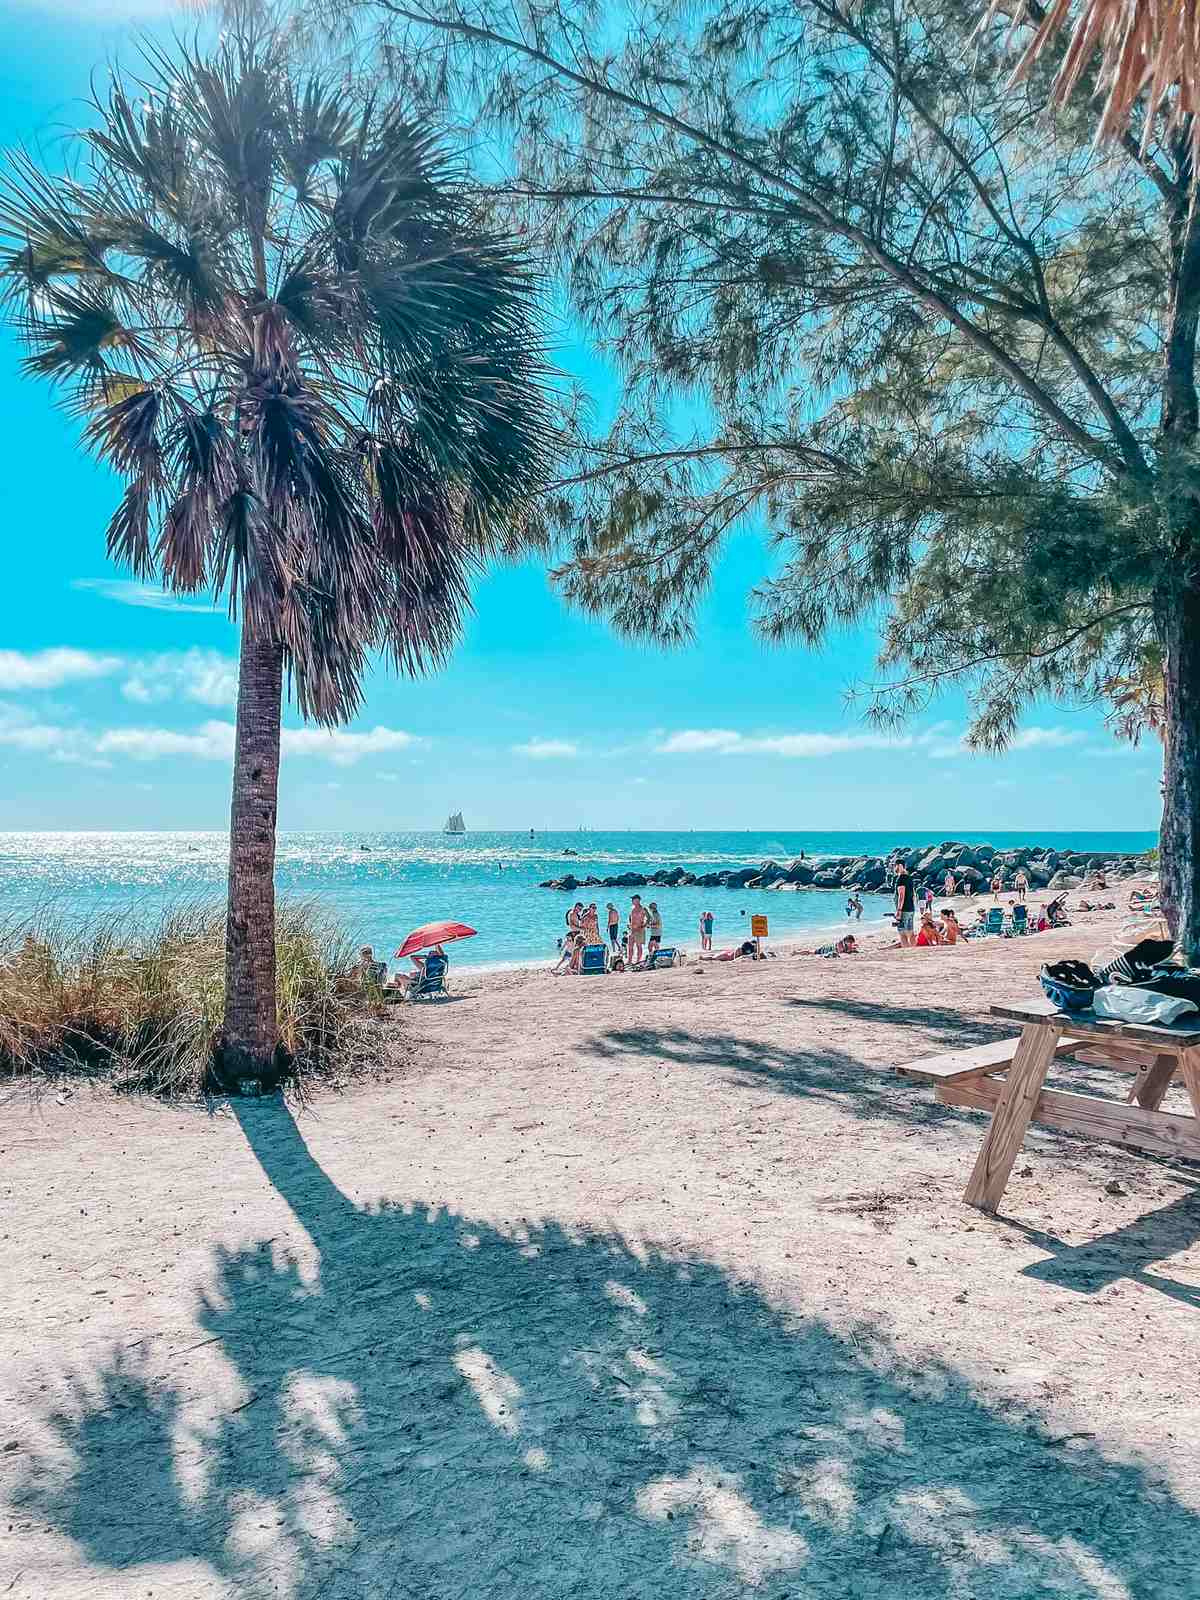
138 1005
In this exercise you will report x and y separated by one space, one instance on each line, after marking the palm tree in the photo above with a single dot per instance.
1144 51
274 308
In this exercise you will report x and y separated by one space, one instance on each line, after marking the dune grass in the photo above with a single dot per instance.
137 1004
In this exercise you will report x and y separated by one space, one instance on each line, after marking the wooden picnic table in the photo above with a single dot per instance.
1153 1054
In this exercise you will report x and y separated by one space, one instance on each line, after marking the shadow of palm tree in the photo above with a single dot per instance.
448 1410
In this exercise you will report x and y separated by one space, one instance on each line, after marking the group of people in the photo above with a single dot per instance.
640 938
371 974
922 929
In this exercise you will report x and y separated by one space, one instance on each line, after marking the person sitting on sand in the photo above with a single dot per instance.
366 969
952 930
637 931
928 933
572 954
401 982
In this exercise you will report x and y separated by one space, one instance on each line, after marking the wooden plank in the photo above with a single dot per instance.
1017 1099
1180 1035
1191 1076
1152 1085
957 1065
1120 1054
1162 1133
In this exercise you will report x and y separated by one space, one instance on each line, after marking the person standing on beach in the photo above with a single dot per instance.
997 883
614 926
950 886
1021 885
706 930
637 930
905 906
655 928
589 925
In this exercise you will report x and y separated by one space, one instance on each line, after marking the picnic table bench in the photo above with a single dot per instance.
1008 1079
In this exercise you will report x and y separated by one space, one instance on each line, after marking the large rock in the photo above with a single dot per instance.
828 878
739 877
800 873
1064 880
628 880
932 863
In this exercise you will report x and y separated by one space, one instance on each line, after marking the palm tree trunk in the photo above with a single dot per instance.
248 1054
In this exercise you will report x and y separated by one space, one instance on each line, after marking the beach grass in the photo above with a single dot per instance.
137 1004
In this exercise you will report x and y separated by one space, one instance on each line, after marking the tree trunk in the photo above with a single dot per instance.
248 1056
1178 615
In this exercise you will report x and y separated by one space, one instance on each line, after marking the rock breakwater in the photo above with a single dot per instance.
972 865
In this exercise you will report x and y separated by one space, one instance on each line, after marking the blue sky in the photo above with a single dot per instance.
116 704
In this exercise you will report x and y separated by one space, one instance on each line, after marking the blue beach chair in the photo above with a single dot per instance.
594 958
668 957
1020 919
432 982
995 919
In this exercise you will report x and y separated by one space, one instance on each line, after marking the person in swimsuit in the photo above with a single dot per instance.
706 930
589 925
637 930
1021 885
952 930
614 926
655 928
928 934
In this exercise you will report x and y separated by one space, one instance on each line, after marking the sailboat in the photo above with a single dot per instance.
455 823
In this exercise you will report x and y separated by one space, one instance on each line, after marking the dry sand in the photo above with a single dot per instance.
654 1286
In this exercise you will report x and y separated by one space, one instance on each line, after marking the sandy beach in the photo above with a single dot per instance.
658 1284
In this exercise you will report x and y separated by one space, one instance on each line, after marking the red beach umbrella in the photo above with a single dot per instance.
434 933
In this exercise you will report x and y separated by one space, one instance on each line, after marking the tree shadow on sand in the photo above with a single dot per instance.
861 1088
936 1027
446 1410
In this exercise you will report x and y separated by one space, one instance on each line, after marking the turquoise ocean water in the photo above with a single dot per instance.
486 879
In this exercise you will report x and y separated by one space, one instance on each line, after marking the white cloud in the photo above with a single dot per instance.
213 741
940 742
726 742
1046 738
205 676
546 749
50 669
129 592
20 731
342 747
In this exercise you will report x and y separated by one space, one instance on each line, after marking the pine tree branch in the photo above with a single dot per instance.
819 212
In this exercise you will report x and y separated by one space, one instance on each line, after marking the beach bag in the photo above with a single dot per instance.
1069 985
1136 965
1124 1002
